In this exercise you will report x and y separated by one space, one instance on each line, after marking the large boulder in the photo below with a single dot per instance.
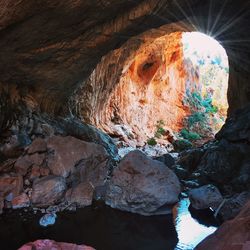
142 185
67 152
205 197
48 190
233 234
51 244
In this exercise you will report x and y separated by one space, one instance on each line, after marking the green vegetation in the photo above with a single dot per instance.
197 123
183 144
191 136
151 141
160 131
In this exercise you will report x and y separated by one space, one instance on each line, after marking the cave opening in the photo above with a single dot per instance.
169 93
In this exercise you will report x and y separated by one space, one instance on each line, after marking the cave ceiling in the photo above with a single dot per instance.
48 48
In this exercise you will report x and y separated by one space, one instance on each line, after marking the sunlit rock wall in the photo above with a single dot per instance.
165 81
148 87
151 89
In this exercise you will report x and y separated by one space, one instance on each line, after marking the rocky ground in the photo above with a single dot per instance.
52 165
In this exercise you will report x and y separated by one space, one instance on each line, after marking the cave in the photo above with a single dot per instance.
121 127
173 85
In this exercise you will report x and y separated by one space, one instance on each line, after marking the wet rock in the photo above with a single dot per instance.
22 165
48 220
48 190
82 195
142 185
205 197
37 146
51 244
68 151
20 201
233 234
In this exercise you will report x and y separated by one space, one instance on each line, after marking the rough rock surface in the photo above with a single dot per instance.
233 205
48 190
69 151
82 195
205 197
233 234
51 244
20 201
142 185
10 185
237 126
37 146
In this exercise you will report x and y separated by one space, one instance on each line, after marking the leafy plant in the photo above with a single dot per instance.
191 136
160 131
151 141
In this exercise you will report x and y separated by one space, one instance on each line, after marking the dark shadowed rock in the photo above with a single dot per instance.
10 185
232 235
167 159
48 190
190 159
51 244
82 195
205 197
39 145
237 126
22 165
233 205
219 165
142 185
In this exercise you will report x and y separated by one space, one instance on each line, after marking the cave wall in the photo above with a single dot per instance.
49 48
143 85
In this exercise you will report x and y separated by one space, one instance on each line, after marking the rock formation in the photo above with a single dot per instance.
50 53
233 234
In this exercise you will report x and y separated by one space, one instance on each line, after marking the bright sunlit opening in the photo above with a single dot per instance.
209 59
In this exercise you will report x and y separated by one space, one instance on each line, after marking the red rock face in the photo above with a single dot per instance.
151 88
51 244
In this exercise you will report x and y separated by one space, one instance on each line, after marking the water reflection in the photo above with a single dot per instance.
190 231
107 229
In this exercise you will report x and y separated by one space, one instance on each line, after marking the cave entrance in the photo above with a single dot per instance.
172 87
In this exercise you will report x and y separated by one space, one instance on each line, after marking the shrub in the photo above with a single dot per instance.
151 141
191 136
180 145
159 132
